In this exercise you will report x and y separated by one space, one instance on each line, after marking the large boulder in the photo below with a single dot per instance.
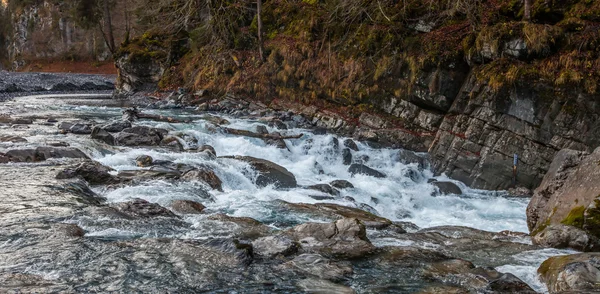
272 246
116 126
270 173
205 175
563 236
140 208
481 280
343 238
446 188
577 273
568 196
102 135
332 211
140 136
91 171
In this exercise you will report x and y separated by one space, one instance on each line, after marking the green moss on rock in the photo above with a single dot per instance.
575 217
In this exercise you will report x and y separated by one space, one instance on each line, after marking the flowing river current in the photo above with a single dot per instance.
405 195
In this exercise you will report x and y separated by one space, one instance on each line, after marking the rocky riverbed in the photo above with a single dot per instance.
95 199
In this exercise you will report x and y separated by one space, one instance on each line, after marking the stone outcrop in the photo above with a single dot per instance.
484 128
343 238
138 75
563 211
577 273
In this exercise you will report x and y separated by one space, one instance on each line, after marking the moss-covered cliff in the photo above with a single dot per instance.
468 80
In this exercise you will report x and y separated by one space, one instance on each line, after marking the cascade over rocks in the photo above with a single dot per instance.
365 170
563 211
269 172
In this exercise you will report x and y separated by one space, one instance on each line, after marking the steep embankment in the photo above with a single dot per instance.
469 81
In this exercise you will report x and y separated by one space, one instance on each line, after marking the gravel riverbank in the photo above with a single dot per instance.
14 84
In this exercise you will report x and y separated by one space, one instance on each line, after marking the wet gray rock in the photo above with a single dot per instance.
92 172
350 144
577 273
187 207
270 173
341 184
81 129
325 188
272 246
117 126
446 188
332 211
205 175
346 156
410 157
102 135
343 238
323 286
246 227
365 170
139 208
43 153
140 136
319 266
563 236
261 129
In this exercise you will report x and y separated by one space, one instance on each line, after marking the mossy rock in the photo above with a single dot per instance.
575 217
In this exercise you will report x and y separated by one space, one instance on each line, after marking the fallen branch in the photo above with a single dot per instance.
257 135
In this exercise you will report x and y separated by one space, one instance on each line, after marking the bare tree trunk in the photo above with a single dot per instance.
110 39
527 10
259 18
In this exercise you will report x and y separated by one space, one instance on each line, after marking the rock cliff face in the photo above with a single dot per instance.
484 128
45 31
